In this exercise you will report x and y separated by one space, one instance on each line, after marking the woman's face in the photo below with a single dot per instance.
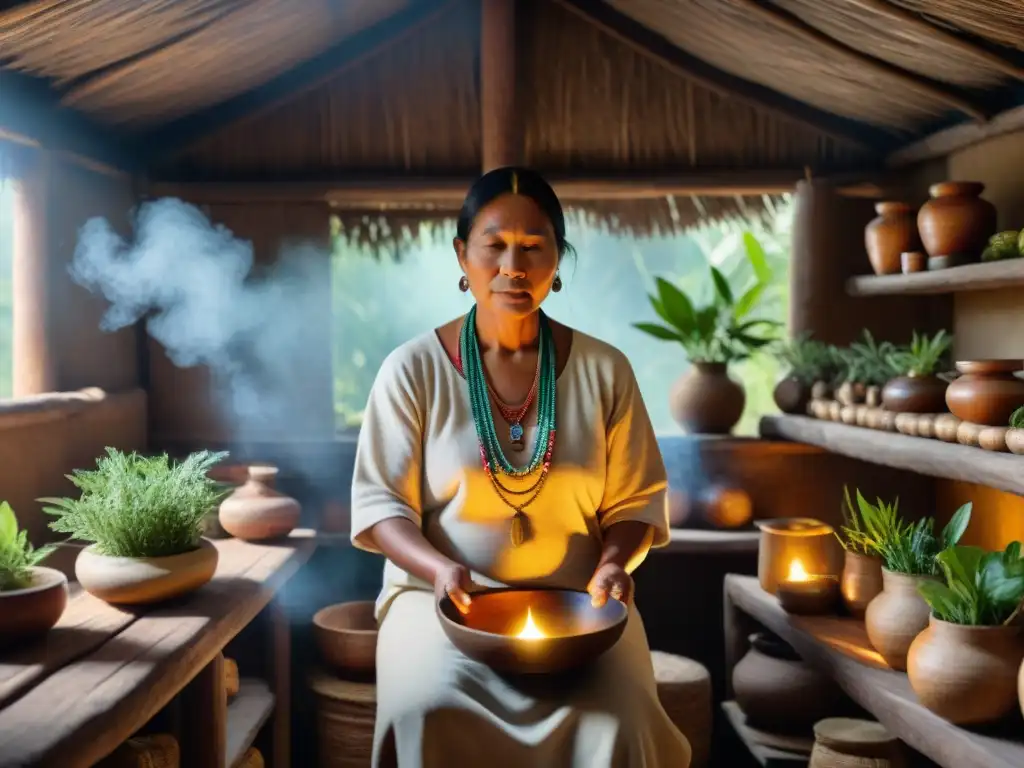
510 257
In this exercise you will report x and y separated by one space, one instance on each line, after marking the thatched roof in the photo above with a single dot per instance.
324 93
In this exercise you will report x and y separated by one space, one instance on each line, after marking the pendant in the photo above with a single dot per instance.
519 529
515 432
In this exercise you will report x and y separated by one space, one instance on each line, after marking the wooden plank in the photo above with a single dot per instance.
955 138
769 757
500 118
698 541
281 674
248 712
1002 471
80 714
840 648
970 277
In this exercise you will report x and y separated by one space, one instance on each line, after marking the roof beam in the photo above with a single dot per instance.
955 138
796 26
169 139
650 43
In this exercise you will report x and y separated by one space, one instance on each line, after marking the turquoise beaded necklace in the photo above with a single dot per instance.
492 457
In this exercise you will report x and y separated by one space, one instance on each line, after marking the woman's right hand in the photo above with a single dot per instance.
454 580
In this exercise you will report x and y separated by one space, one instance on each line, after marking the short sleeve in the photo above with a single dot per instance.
636 484
387 481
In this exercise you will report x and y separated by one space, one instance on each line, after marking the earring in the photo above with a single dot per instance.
556 284
463 283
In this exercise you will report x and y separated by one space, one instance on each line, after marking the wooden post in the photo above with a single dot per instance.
499 118
35 363
204 717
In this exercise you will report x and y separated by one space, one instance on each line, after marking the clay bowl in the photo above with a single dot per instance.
346 634
28 613
575 633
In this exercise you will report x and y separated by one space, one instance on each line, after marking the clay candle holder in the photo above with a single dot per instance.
805 593
533 631
785 541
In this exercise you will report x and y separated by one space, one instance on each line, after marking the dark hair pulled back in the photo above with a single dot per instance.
521 181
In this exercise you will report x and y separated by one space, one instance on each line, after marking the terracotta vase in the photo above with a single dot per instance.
705 400
144 580
915 394
257 512
888 235
792 395
956 221
966 675
986 392
861 582
896 616
777 690
31 611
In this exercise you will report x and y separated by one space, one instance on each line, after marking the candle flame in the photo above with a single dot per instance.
797 572
530 630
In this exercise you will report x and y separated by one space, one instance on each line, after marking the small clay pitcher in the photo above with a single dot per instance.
888 235
956 221
705 400
966 675
987 392
792 395
861 581
256 512
777 690
896 616
915 394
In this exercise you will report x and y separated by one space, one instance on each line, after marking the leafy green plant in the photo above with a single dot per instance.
17 555
908 548
981 588
721 331
852 533
923 356
1017 418
870 362
805 359
140 506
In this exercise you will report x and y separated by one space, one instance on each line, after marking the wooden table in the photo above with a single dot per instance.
840 648
102 673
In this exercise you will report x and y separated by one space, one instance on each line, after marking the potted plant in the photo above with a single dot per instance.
916 387
964 667
706 400
898 613
805 361
32 597
868 368
144 516
861 579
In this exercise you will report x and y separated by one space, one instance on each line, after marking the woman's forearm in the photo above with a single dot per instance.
403 543
626 544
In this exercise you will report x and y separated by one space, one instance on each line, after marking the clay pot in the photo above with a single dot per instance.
986 392
896 616
966 675
1015 441
946 425
861 582
913 261
777 690
956 221
915 394
792 395
888 235
993 439
706 401
31 611
969 434
346 635
142 580
256 512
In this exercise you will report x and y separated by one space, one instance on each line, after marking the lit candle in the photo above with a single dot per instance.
802 592
530 630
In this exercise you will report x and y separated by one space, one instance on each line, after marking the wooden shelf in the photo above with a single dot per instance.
247 713
768 756
970 277
697 541
840 648
1002 471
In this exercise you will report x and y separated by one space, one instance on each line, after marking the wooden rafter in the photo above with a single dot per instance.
956 137
650 43
793 24
171 138
951 39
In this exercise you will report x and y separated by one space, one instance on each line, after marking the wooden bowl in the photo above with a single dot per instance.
346 635
575 633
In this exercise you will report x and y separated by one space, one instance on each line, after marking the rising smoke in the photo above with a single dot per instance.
264 337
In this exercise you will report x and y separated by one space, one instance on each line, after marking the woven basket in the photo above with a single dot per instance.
157 751
842 742
346 713
684 689
231 678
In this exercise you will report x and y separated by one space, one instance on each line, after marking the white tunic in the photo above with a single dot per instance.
418 458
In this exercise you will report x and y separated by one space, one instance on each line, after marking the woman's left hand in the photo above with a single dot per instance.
610 580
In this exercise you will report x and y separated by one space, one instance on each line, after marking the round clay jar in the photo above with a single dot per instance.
888 235
956 221
986 392
257 512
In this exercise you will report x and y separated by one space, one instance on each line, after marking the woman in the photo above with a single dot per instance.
460 481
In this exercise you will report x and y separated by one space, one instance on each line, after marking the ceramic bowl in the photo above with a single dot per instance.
573 632
346 634
27 613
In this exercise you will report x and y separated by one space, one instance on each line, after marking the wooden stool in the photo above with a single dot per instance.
684 689
345 715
